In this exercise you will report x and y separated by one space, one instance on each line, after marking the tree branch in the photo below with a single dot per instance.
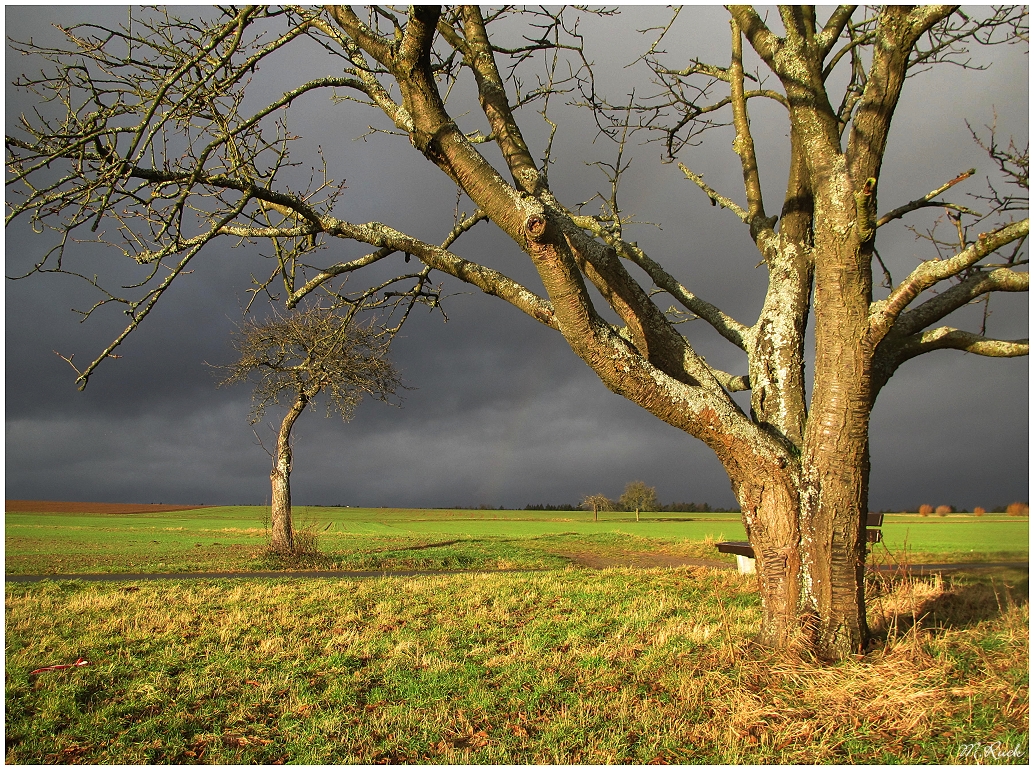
947 338
649 330
417 38
152 298
959 295
485 278
347 267
761 38
492 96
884 313
835 25
922 18
743 145
926 200
370 41
725 325
716 198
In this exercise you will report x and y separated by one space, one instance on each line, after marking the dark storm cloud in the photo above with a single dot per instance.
501 411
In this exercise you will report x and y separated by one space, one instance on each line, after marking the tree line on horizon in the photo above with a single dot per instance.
616 505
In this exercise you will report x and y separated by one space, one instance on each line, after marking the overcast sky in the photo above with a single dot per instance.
501 412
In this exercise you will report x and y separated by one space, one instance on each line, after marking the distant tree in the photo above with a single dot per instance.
925 510
597 503
639 497
294 358
978 511
943 510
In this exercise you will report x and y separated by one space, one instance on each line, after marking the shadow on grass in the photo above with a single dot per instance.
467 553
901 603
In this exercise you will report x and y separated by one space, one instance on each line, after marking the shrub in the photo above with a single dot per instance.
1018 509
925 510
943 510
978 511
306 542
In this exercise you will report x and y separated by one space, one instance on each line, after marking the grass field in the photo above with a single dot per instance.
566 665
234 538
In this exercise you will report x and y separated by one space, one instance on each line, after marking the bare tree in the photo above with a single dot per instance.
296 357
597 503
149 133
639 497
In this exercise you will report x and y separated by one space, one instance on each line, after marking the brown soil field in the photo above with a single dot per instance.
62 506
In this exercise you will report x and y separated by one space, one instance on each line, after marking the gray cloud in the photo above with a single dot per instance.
502 411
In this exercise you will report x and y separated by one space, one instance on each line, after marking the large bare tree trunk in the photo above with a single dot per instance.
807 521
806 525
770 504
836 468
282 531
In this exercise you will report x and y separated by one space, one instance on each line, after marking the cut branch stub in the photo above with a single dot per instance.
535 227
866 222
535 232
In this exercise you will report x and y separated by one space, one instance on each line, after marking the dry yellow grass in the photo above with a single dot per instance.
570 666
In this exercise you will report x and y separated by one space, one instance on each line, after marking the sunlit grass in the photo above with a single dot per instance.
568 666
234 539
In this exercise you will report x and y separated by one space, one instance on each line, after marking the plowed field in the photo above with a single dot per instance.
61 506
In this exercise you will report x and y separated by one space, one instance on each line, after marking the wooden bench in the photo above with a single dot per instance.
745 553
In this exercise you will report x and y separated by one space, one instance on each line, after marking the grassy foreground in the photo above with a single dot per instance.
234 538
567 666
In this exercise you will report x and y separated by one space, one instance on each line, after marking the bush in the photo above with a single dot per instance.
1018 509
925 510
306 542
978 511
944 510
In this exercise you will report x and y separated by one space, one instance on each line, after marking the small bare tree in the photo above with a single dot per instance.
292 359
597 503
637 496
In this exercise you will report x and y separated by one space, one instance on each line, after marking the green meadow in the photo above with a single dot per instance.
234 538
562 664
